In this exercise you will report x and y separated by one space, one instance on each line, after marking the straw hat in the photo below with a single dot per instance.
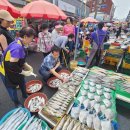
6 15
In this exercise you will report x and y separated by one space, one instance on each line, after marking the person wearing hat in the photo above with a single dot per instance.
98 37
56 32
5 36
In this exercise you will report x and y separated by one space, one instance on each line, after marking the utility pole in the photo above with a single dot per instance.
96 8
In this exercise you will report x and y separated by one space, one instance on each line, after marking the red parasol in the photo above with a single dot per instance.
4 4
42 9
89 20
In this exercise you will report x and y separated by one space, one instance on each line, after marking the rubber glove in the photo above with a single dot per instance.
28 67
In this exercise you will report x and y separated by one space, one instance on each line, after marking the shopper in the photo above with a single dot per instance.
98 38
13 68
44 40
69 28
51 65
56 32
118 32
5 36
61 42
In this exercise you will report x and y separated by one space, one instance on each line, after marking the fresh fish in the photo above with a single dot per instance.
76 126
71 125
66 123
31 126
19 121
28 123
25 120
59 127
10 118
79 127
8 125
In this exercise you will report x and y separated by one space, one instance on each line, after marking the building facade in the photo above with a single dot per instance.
74 8
105 9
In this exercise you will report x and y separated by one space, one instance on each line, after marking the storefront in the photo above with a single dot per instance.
73 8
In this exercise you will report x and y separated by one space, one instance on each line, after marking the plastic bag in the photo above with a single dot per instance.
86 86
107 90
75 112
93 102
83 116
106 125
97 108
99 92
98 86
97 98
87 104
81 99
92 84
107 103
83 92
109 114
89 121
107 95
90 95
97 123
92 89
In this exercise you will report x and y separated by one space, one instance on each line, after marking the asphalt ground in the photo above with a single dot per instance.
35 60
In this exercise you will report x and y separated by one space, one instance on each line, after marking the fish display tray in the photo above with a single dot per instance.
32 96
33 82
65 116
53 120
5 117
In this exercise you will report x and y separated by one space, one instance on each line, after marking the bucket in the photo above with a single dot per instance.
73 64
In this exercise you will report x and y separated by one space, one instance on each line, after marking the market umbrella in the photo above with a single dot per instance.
89 20
42 9
4 4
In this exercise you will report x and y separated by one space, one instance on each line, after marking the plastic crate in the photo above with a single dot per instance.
125 65
111 60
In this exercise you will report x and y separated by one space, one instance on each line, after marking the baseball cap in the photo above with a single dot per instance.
6 15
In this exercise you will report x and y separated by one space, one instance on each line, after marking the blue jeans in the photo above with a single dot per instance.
12 90
46 73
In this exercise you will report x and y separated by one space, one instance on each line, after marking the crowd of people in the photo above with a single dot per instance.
57 46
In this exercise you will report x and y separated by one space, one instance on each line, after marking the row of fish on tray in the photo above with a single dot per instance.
58 104
77 76
20 120
68 123
74 82
108 78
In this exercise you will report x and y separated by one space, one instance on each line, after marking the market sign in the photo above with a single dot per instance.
103 6
67 7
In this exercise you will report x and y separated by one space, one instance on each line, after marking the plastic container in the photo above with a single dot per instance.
73 64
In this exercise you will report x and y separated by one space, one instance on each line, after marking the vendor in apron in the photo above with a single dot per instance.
98 38
13 67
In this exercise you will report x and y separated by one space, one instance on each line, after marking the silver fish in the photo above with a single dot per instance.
71 125
27 124
66 123
59 127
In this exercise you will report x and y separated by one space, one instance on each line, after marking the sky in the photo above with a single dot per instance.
122 8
